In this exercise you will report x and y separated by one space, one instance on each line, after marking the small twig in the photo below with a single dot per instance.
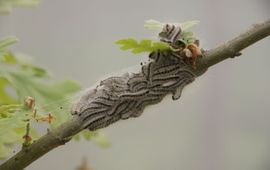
27 138
64 133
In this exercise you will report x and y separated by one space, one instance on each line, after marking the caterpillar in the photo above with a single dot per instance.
170 33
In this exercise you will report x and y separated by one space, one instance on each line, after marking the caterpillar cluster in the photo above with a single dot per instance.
126 96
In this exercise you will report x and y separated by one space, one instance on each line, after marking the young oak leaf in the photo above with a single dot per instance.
153 25
144 45
127 44
187 37
158 26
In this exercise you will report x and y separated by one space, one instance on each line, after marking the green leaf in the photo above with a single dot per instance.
12 130
185 34
44 93
77 137
97 137
7 111
34 70
12 116
187 37
156 25
87 134
127 43
8 58
11 137
161 46
101 139
153 25
7 5
144 45
5 98
7 42
188 24
19 79
4 151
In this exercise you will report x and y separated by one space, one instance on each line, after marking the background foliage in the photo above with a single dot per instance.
19 79
7 5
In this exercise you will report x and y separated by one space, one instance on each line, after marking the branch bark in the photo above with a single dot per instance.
64 133
233 47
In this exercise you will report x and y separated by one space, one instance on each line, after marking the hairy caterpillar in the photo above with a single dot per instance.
126 96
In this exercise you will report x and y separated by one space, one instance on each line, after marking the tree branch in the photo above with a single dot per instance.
64 133
233 47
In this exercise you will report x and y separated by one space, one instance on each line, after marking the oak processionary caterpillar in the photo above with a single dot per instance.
126 96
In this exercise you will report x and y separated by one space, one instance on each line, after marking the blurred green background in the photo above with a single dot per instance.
220 123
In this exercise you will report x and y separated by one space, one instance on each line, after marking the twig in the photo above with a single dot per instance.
64 133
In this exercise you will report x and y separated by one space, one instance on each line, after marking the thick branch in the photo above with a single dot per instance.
63 134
